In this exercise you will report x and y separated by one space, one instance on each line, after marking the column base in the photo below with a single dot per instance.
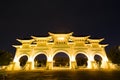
28 66
49 66
73 65
11 66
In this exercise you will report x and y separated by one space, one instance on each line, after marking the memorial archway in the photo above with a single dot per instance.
66 47
81 60
61 60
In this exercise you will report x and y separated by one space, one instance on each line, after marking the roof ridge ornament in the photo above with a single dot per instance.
51 34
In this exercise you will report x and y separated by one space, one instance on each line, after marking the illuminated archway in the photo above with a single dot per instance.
54 44
17 58
61 59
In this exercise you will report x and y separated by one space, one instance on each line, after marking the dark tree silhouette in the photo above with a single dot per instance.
5 58
114 54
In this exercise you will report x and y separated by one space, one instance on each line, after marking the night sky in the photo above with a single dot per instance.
23 19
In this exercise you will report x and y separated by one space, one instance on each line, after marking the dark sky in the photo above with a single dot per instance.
22 19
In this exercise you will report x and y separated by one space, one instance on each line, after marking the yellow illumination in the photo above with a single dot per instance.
49 59
72 58
51 49
61 38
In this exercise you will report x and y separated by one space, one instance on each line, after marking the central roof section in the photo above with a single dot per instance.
60 37
53 34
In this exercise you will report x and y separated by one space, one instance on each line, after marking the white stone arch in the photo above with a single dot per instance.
104 59
17 58
99 55
65 52
38 54
88 57
58 51
79 52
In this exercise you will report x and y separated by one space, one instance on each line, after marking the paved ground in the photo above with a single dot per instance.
64 75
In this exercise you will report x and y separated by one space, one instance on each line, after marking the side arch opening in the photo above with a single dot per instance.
40 61
23 60
81 60
98 60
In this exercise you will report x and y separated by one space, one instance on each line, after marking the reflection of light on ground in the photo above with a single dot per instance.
64 75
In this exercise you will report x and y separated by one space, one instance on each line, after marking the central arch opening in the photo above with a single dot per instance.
81 60
40 61
61 60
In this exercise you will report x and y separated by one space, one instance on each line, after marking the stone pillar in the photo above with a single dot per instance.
105 64
89 65
11 66
108 64
93 65
73 65
49 65
111 65
16 66
28 66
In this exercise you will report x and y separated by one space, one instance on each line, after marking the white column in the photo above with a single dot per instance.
89 66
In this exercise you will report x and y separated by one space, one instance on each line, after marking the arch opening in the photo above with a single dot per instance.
81 60
98 60
40 61
23 60
61 60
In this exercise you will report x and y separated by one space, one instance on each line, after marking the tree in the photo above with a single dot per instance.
5 58
114 54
